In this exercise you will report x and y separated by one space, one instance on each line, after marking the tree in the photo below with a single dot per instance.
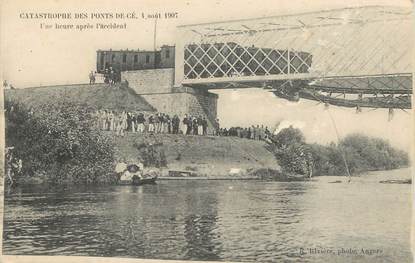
288 136
59 142
362 153
292 152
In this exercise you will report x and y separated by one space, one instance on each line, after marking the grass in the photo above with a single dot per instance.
208 155
97 96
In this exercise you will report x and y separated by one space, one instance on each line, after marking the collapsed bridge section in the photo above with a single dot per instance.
351 57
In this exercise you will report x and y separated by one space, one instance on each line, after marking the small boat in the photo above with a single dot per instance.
132 175
335 182
135 180
146 180
176 173
403 181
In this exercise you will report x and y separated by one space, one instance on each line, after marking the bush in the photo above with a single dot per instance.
367 153
287 137
292 152
151 154
61 142
361 152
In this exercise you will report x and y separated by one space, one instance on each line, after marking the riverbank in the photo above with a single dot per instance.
204 156
53 132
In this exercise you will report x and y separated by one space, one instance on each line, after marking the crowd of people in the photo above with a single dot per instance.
7 85
253 132
122 122
109 76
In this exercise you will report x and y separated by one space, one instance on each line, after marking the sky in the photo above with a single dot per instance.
32 56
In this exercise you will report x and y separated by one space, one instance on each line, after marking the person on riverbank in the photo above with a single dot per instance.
175 124
133 122
13 165
151 126
111 120
257 133
124 120
104 120
119 125
204 126
112 76
140 122
252 137
195 126
168 124
156 121
120 168
199 127
129 121
162 123
187 121
216 127
267 133
248 133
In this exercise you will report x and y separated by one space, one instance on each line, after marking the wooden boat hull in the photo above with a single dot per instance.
138 181
403 181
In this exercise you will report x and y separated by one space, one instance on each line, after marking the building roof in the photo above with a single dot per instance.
135 50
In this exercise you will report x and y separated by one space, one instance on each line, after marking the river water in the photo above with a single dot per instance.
217 220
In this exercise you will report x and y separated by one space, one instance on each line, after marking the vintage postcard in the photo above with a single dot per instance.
225 131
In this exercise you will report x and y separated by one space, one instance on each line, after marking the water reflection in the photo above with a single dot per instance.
199 229
208 220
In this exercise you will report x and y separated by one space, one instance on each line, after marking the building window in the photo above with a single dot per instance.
135 58
102 60
167 53
147 58
113 58
124 58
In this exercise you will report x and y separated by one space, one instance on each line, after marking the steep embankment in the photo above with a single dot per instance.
97 96
205 155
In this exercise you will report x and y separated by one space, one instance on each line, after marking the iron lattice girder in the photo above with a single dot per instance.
361 41
372 46
230 60
397 84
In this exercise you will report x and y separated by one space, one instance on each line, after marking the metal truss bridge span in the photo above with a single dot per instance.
351 57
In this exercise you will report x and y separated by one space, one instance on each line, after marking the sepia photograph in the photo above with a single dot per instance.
226 131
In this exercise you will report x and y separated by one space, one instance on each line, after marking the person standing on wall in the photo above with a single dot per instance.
91 78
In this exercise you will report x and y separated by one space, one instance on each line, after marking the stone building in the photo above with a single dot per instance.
122 60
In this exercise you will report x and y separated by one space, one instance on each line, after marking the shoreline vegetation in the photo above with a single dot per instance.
59 144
